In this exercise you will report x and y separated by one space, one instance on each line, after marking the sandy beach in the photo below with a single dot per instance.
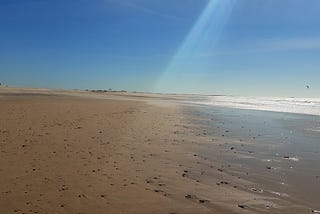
85 152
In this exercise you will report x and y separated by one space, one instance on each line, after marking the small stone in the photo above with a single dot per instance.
242 206
202 201
188 196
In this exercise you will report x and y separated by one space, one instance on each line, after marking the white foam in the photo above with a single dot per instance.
314 130
294 159
292 105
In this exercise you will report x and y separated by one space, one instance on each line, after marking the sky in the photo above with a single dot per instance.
231 47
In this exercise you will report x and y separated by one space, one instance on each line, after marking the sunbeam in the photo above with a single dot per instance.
201 40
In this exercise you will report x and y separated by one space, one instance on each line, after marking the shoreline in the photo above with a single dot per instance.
219 101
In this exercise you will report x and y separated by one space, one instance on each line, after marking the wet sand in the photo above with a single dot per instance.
84 152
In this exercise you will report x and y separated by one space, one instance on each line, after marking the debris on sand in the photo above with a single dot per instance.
149 181
185 173
203 201
270 205
243 206
280 194
188 196
256 190
291 158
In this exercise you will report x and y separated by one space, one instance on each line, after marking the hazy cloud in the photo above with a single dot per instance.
266 45
292 43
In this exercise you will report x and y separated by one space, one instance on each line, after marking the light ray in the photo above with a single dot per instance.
200 41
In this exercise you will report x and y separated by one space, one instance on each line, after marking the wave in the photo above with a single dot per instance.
309 106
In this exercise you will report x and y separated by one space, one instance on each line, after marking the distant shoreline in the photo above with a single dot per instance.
307 106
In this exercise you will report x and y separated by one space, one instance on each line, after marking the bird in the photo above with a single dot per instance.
307 86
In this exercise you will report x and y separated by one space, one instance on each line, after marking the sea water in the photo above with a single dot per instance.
283 135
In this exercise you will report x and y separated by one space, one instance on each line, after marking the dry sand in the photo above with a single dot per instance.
82 152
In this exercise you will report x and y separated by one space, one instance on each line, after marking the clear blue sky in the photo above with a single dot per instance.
240 47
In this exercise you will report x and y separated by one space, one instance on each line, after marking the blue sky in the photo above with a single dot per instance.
239 47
